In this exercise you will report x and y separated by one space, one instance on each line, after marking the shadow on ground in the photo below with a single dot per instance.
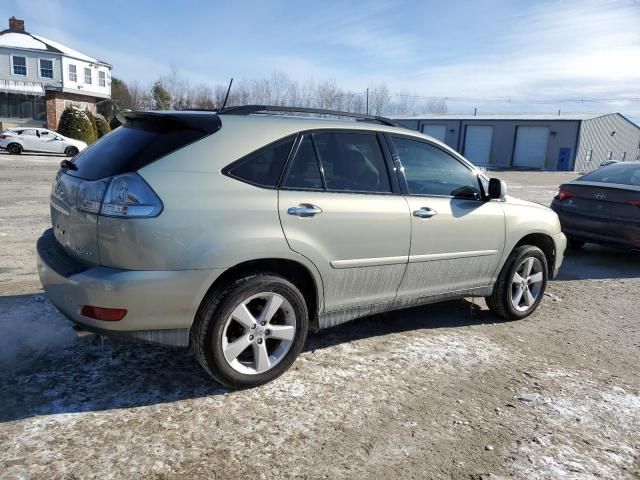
594 262
82 375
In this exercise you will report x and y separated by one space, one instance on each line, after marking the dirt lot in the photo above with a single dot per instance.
444 391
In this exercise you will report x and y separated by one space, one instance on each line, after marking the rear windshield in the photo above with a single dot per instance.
618 173
131 147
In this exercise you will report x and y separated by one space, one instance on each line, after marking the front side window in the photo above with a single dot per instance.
46 68
432 171
304 172
73 73
264 166
19 65
352 162
87 76
102 79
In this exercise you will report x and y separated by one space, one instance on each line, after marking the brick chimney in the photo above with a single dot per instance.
16 25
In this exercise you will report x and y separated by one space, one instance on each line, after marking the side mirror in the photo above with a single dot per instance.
497 189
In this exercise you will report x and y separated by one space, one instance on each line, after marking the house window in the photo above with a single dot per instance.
19 65
73 73
623 157
587 157
609 155
46 68
87 76
102 79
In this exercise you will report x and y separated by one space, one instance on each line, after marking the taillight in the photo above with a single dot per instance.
126 196
2 137
634 202
106 314
564 194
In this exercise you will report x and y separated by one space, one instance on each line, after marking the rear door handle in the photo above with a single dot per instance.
304 210
424 212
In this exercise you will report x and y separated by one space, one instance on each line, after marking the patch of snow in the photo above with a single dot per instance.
21 40
66 50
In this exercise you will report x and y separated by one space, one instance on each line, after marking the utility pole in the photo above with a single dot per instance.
367 100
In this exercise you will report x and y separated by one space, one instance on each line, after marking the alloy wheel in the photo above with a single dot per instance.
526 284
259 333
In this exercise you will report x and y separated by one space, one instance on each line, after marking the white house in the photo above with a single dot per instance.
39 78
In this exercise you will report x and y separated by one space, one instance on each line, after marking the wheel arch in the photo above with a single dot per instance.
296 272
545 243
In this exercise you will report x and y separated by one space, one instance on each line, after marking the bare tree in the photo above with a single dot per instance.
378 99
437 105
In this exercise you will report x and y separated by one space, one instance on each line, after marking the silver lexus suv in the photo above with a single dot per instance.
234 233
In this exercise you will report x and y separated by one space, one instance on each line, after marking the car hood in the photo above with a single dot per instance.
525 203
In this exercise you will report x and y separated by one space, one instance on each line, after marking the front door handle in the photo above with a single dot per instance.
424 212
304 210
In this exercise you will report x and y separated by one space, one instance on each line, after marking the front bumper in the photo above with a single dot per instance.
560 242
161 305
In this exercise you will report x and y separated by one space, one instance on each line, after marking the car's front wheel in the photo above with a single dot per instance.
521 283
14 148
251 332
71 151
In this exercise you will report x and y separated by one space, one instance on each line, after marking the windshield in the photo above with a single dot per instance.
619 173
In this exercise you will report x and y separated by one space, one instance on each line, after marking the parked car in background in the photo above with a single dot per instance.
602 207
236 232
40 140
609 162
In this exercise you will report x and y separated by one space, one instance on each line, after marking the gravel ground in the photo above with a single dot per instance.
442 391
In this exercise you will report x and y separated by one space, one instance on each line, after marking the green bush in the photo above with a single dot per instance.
94 126
75 123
102 126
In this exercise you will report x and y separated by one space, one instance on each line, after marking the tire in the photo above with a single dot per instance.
215 330
14 148
502 301
575 244
71 151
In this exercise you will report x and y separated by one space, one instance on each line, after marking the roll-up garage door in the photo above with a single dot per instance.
477 143
439 132
531 147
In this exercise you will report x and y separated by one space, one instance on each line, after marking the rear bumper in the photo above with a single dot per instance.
603 231
161 305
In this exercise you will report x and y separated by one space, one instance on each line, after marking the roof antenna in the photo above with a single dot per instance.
226 97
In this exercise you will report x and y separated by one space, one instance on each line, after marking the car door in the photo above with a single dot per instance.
29 140
340 208
49 142
457 237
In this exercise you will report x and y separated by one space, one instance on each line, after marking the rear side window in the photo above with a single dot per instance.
132 146
304 172
352 162
262 167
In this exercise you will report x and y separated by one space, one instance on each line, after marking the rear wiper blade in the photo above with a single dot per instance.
68 165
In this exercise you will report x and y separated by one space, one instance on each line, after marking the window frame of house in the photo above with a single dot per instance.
75 72
26 66
609 155
90 76
623 157
102 78
588 155
40 60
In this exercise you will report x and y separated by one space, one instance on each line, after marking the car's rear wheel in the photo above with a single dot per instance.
521 283
251 332
71 151
14 148
575 244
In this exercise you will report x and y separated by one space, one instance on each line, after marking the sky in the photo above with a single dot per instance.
478 54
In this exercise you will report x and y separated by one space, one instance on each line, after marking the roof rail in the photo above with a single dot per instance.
249 109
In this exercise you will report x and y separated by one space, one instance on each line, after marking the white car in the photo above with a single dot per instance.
18 140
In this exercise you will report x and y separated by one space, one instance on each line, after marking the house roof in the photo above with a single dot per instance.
27 41
502 116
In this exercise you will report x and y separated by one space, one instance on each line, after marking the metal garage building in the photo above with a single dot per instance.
571 141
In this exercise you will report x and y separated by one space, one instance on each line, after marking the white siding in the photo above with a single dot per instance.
79 86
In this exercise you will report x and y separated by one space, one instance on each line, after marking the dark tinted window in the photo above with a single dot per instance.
131 147
263 167
352 162
304 171
432 171
618 173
